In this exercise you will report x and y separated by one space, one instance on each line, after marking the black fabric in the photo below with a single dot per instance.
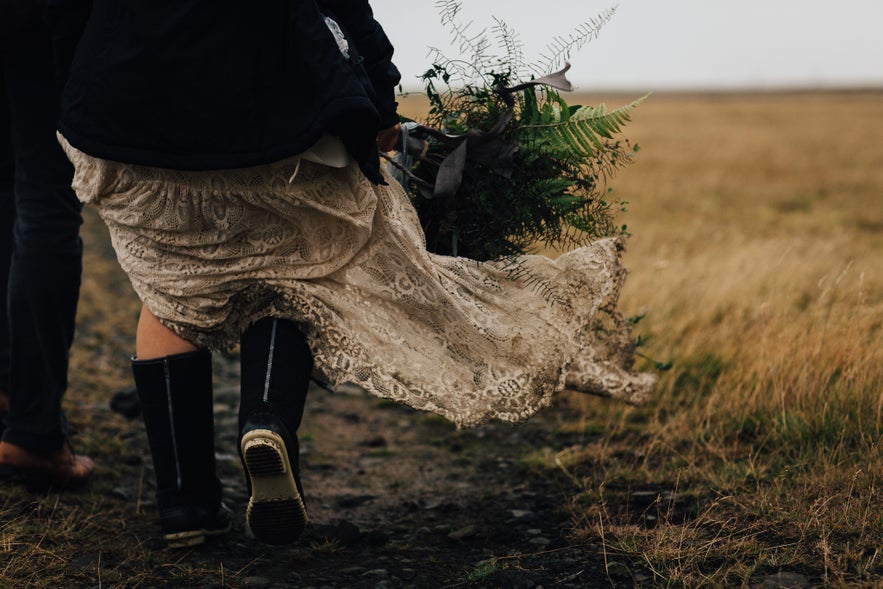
175 393
212 84
357 20
17 14
66 20
276 367
40 248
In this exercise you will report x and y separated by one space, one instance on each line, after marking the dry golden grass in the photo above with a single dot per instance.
758 249
757 260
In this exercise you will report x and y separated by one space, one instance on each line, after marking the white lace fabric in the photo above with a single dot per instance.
210 252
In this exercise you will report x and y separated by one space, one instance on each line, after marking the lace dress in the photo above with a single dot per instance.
210 252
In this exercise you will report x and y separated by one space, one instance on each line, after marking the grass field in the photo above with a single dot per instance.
756 267
757 264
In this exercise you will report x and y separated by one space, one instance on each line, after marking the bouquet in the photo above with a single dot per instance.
503 163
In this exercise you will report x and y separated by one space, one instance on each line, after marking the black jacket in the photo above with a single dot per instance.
65 20
211 84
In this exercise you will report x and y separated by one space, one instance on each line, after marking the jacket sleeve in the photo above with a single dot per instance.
357 18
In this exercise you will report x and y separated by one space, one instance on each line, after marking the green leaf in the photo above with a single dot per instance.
583 132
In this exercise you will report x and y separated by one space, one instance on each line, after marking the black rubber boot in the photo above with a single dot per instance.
276 368
175 393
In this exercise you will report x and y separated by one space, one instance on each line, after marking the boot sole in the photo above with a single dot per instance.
276 513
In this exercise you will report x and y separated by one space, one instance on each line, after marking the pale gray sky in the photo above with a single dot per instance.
654 45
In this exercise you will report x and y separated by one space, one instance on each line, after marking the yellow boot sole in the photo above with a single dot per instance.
276 513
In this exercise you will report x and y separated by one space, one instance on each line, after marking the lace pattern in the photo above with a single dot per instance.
210 252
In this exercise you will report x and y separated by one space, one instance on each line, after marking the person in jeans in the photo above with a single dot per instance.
40 248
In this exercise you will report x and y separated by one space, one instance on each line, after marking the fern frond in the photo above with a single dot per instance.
448 10
474 45
509 41
560 48
584 132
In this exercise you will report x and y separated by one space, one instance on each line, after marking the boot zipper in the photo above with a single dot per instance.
270 363
168 377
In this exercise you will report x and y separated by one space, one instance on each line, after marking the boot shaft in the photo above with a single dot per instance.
276 366
175 393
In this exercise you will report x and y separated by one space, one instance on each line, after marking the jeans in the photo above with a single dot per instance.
40 247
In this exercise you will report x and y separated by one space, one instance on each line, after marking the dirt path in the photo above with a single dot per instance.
399 498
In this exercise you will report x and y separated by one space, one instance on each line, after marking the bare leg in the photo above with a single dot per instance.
155 340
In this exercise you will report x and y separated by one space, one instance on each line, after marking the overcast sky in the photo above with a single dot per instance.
653 45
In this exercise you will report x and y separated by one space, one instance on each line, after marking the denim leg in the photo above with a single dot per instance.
7 219
46 261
